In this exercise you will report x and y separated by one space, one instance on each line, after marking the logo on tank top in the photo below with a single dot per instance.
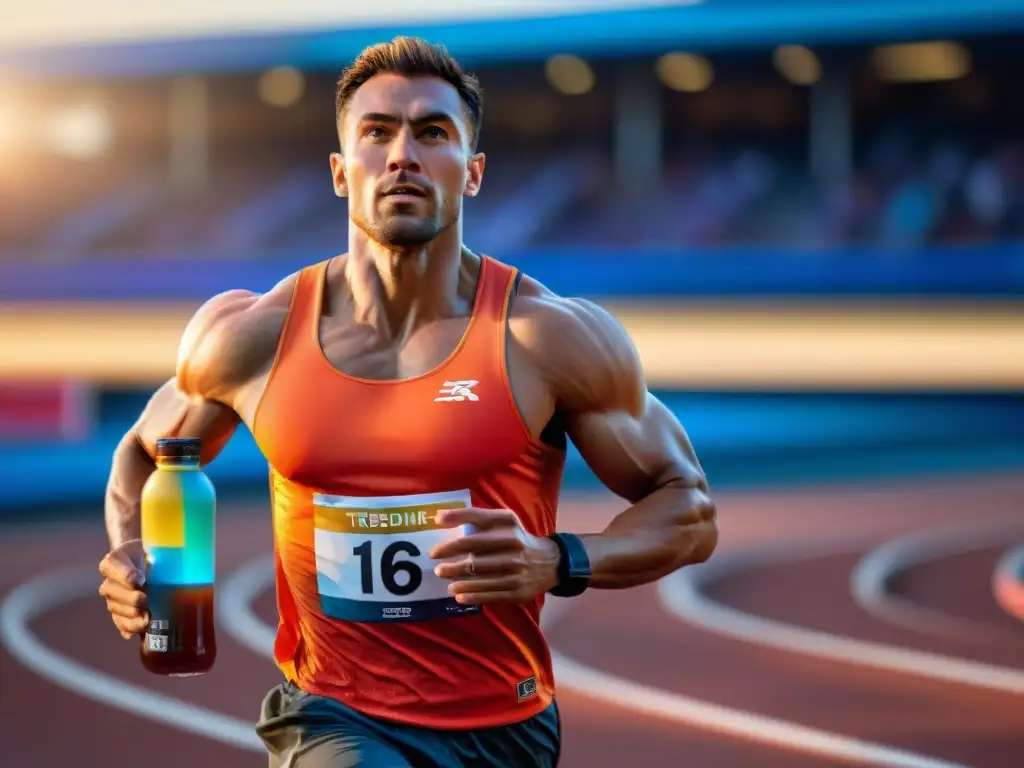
527 688
457 391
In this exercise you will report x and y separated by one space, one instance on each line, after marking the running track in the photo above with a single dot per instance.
803 642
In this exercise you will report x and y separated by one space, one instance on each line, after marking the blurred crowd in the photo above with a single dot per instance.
902 193
909 194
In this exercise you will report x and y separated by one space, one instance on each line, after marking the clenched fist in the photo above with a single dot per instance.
123 578
499 562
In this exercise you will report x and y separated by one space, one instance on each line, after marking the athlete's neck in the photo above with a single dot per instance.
397 290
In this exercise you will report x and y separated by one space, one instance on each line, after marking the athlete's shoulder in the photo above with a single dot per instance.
580 347
231 338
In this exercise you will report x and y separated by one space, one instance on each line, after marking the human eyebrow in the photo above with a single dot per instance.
433 117
430 117
378 117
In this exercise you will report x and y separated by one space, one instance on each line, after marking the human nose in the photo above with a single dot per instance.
402 154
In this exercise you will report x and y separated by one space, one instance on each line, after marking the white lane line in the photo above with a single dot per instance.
683 594
54 590
873 577
235 615
1008 583
238 618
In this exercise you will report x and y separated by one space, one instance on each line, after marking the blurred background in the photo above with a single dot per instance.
809 215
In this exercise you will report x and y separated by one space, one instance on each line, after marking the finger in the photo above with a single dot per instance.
484 565
134 626
481 585
481 518
478 544
125 611
120 594
483 598
117 567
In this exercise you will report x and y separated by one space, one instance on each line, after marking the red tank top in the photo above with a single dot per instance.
357 470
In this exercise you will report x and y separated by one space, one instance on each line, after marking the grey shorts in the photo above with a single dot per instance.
302 730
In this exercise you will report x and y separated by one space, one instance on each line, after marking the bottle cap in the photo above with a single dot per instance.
180 448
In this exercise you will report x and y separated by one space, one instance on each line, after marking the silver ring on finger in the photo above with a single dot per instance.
470 566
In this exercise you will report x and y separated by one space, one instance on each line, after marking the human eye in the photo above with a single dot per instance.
434 132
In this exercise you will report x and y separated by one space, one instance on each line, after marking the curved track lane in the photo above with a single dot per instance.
707 698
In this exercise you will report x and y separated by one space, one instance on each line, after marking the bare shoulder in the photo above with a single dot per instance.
231 339
580 348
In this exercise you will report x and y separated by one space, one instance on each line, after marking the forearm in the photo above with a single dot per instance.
672 527
130 469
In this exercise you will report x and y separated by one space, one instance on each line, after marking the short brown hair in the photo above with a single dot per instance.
412 56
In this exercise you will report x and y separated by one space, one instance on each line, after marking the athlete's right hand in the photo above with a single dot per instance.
123 578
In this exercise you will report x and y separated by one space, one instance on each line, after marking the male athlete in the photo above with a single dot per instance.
413 400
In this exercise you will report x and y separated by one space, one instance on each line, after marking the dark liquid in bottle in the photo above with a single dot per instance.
180 639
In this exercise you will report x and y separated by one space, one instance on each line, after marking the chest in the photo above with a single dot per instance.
359 351
441 408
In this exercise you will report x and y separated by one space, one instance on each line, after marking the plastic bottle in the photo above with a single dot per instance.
178 535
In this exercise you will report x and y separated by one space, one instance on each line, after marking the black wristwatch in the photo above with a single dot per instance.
573 565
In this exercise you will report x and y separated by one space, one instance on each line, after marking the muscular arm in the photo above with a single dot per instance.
634 445
226 343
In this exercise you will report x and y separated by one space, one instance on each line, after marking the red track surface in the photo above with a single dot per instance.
626 634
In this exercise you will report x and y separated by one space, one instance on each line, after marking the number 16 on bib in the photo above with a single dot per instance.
371 556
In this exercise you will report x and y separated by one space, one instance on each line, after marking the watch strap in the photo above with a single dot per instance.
573 565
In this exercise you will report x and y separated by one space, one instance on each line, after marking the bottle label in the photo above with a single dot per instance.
157 635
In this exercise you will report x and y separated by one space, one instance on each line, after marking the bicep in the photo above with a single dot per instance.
170 412
635 453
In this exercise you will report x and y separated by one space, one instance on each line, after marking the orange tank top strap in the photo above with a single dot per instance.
299 337
486 334
496 283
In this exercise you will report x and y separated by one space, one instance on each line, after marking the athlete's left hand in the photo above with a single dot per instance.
499 562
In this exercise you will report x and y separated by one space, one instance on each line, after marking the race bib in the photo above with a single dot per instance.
372 561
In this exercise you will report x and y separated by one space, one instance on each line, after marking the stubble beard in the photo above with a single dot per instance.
405 232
